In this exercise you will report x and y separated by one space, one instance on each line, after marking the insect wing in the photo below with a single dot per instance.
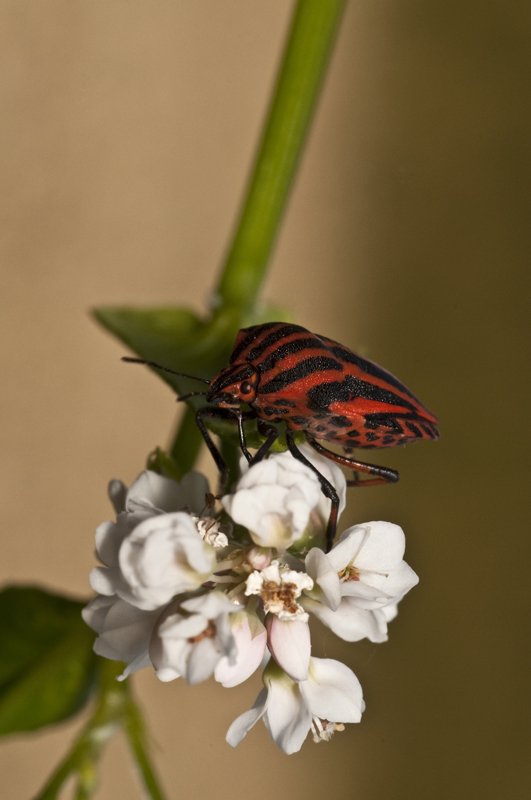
391 414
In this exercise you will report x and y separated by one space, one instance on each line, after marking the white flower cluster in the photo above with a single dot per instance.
181 592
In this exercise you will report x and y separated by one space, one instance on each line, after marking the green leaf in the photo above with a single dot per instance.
47 667
176 338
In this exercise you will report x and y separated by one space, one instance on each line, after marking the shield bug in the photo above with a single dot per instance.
313 384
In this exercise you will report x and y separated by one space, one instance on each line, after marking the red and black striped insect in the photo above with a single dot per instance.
284 373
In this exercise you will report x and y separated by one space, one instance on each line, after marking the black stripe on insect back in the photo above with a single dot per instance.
274 337
253 332
289 348
384 420
370 368
298 372
325 393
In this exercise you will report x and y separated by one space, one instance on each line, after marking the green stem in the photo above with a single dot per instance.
301 74
187 441
307 51
115 710
135 731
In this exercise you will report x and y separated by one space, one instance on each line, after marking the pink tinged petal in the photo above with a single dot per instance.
384 548
290 645
243 724
287 716
249 654
349 622
332 691
327 587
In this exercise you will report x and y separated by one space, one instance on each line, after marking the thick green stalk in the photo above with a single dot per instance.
187 441
301 74
306 56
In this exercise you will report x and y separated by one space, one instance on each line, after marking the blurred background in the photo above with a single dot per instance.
128 129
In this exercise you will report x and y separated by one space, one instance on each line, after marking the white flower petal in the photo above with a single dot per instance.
349 622
105 581
249 654
192 645
243 724
210 605
332 691
327 587
390 612
124 630
397 582
202 661
384 547
95 612
274 500
290 646
347 549
160 492
287 717
364 595
168 653
164 556
109 537
140 662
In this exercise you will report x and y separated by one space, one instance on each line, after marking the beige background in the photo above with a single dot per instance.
127 132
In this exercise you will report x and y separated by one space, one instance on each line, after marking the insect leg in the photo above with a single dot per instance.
326 487
381 474
243 443
272 434
221 464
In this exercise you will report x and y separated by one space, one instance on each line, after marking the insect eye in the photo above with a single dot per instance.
246 388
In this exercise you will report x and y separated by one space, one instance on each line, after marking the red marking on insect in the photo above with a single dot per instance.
318 386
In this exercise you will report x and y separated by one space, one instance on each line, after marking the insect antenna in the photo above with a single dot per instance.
165 369
190 394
